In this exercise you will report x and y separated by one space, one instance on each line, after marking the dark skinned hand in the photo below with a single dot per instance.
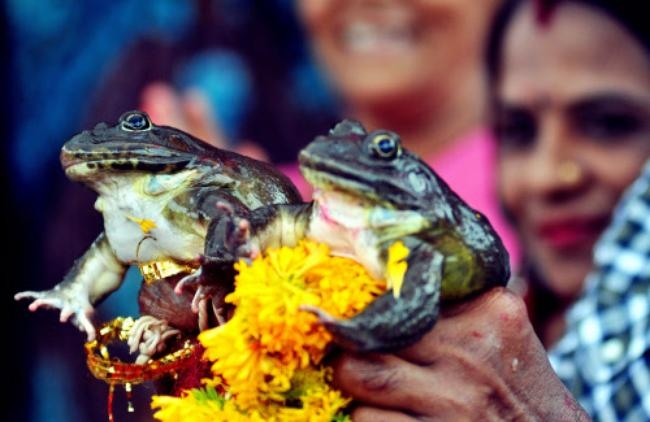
481 361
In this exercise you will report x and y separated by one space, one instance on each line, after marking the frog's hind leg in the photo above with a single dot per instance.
149 336
391 323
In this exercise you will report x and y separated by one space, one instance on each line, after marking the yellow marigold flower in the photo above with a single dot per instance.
266 355
194 405
319 401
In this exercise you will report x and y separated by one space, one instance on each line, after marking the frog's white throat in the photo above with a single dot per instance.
343 209
138 219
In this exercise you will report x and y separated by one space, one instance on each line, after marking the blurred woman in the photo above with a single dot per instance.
571 94
572 116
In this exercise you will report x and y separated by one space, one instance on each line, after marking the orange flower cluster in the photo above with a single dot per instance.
266 360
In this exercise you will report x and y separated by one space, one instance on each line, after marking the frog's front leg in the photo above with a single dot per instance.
239 233
95 275
226 238
393 321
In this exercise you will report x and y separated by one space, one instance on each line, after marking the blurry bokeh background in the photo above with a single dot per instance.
70 64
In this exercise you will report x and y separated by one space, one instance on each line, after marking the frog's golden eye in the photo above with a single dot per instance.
385 145
135 121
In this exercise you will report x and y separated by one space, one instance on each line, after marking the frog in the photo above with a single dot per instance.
158 189
371 193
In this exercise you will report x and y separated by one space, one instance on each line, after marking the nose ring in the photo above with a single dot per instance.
569 172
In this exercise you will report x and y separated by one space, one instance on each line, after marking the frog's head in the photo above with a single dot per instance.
134 144
373 167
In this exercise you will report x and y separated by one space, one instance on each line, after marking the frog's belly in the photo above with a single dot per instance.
150 236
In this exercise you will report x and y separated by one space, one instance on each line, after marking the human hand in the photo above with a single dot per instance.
481 361
191 112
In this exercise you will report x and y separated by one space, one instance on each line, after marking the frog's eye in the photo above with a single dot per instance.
135 121
385 145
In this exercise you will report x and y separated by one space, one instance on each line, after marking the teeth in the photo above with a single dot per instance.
369 37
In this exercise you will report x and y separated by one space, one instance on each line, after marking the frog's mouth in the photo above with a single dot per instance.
331 179
82 166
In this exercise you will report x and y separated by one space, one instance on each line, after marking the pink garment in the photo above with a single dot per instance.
469 168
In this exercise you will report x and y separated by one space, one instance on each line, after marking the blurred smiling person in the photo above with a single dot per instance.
570 90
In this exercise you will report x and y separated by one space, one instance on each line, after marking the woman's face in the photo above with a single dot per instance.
573 121
375 51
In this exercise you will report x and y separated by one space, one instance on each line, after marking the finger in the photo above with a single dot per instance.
374 414
385 381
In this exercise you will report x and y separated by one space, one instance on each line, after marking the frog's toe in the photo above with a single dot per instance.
203 293
38 299
84 324
148 336
352 334
323 317
65 315
44 302
25 295
80 318
189 280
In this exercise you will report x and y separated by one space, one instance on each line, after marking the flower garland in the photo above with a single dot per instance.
266 360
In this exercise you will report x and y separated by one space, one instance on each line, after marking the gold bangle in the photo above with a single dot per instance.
157 270
114 371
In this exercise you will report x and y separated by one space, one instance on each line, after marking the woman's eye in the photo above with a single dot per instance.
515 129
608 125
609 117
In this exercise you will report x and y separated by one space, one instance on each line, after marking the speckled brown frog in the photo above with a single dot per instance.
158 188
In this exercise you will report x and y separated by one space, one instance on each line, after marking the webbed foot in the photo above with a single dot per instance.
390 323
346 332
229 235
148 337
74 307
